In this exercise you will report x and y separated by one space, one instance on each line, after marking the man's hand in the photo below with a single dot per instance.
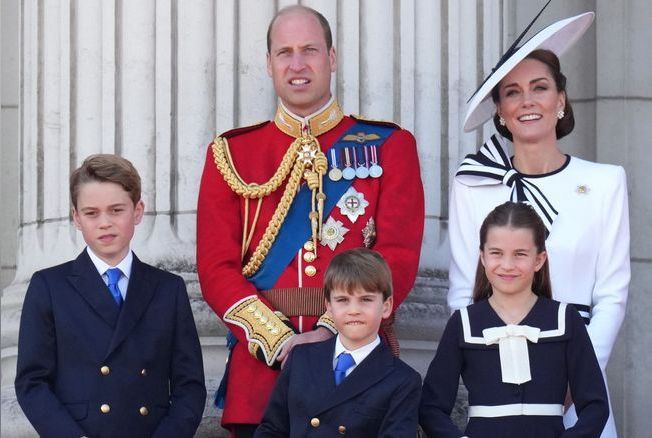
319 334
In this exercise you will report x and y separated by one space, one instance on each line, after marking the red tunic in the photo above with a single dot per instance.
395 203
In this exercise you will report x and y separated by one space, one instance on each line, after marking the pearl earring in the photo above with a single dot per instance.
501 120
560 114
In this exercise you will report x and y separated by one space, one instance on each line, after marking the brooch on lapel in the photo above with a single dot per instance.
582 189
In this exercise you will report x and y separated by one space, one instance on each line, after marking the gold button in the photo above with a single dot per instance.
309 256
143 372
309 246
105 370
143 411
105 408
264 319
314 422
310 271
341 430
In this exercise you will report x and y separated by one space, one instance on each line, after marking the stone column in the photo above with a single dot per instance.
623 133
155 80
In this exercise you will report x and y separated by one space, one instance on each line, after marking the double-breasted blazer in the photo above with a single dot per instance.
88 368
379 398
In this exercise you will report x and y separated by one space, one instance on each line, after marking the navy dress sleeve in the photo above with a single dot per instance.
441 384
585 380
276 419
37 365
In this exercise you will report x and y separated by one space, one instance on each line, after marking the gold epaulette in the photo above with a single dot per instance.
327 322
241 130
363 119
265 330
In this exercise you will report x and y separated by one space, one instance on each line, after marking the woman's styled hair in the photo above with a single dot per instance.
515 215
566 124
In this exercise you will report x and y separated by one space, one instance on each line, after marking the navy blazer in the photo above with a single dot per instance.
85 367
380 398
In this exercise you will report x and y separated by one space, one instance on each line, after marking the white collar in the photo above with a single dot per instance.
359 354
102 266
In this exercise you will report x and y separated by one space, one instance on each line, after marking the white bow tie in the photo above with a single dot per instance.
512 346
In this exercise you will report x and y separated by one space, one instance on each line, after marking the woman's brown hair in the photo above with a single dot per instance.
516 215
566 124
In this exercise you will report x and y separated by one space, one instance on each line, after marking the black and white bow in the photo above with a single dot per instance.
491 165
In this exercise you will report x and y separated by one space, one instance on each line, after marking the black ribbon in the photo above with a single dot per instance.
491 165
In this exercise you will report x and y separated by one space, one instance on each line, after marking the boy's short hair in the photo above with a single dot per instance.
359 268
106 168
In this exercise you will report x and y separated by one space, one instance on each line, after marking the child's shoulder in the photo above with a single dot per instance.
405 369
159 272
57 271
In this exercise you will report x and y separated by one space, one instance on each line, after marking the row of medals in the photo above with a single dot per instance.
365 159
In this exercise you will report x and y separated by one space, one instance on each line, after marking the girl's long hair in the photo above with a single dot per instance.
516 215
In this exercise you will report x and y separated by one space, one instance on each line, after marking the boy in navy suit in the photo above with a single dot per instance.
108 345
350 384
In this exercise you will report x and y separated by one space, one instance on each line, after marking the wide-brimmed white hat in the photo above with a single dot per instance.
558 37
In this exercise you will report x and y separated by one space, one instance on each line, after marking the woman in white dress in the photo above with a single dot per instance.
583 204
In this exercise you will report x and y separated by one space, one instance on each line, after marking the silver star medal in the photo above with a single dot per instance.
352 204
332 233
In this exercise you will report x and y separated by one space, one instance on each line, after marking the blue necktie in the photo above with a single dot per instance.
344 362
114 275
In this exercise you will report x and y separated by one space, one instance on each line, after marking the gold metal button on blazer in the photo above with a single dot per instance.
309 246
309 256
341 430
143 372
143 411
105 409
314 422
105 370
310 271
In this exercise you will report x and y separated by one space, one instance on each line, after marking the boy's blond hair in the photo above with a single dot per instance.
106 168
359 268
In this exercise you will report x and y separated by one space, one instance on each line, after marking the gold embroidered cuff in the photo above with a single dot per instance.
266 332
327 322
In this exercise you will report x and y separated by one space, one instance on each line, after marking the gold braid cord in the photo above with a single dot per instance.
303 159
264 328
327 322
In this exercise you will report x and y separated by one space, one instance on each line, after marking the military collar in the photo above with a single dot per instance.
316 123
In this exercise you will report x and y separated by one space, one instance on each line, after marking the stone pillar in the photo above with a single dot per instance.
623 133
155 80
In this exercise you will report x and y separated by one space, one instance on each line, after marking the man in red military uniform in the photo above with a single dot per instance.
278 200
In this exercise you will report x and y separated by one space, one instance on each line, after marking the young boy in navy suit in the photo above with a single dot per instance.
350 384
108 345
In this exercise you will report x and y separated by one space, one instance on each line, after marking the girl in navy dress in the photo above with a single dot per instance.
517 350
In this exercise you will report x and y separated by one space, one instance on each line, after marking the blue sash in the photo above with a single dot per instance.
296 229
